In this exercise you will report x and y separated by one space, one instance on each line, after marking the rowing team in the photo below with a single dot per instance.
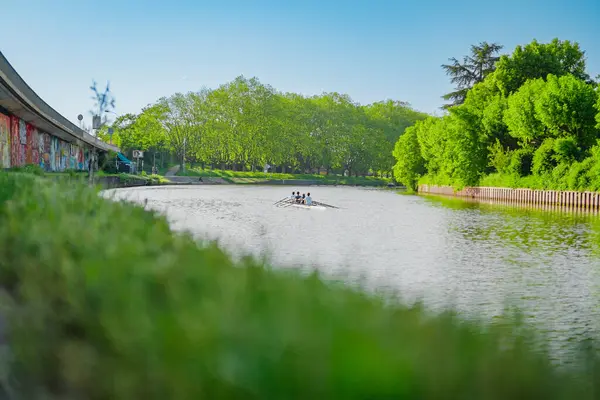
304 199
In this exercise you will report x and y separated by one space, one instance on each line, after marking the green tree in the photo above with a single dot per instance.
537 60
566 108
520 116
473 69
410 164
182 128
559 107
598 107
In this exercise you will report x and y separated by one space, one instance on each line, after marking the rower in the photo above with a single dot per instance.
308 200
303 198
298 197
293 195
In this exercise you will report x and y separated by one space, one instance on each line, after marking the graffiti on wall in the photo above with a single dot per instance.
23 141
54 154
4 141
29 144
15 142
21 144
40 150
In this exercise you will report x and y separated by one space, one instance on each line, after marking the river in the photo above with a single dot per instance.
474 257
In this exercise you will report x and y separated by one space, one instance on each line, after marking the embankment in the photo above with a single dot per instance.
102 300
554 198
108 182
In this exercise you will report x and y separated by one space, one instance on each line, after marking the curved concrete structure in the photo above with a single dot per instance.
19 102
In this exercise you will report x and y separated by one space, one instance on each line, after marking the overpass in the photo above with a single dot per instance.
32 132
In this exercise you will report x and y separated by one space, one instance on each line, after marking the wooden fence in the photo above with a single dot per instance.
568 199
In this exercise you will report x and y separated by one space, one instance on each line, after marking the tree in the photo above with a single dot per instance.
104 102
566 108
245 123
122 132
182 129
410 164
538 60
473 69
598 108
557 108
520 116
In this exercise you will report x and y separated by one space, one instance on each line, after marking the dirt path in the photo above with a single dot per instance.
172 171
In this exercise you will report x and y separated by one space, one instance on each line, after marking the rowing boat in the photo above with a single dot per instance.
292 203
307 207
288 202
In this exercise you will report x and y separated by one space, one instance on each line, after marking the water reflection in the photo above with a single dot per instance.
478 258
551 229
544 261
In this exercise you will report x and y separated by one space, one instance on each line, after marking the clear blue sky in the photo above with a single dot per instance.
371 49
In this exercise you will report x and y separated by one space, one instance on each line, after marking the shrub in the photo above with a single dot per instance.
499 157
107 162
544 158
520 162
29 169
566 149
103 301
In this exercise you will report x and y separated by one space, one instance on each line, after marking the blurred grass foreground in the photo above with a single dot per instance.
100 300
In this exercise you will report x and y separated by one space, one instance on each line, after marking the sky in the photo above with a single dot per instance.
372 50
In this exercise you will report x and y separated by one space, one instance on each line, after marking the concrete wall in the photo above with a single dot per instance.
22 144
557 198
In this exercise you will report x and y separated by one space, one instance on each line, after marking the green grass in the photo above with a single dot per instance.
103 301
562 178
82 176
258 177
512 181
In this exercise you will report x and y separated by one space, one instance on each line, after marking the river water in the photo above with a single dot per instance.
475 258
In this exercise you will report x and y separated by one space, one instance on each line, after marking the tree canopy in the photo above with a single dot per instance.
473 69
537 116
246 124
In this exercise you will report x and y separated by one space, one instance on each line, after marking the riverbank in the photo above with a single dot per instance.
554 198
103 300
101 179
247 177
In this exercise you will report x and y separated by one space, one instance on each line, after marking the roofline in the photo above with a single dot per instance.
25 94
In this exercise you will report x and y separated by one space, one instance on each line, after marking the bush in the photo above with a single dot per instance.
544 159
566 149
100 308
520 162
107 162
499 157
29 169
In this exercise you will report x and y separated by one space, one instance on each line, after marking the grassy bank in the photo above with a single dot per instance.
258 177
83 175
103 301
561 179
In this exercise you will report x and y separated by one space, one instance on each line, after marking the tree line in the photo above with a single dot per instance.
530 118
246 124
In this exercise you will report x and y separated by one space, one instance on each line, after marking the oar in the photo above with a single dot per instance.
323 204
289 203
280 201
